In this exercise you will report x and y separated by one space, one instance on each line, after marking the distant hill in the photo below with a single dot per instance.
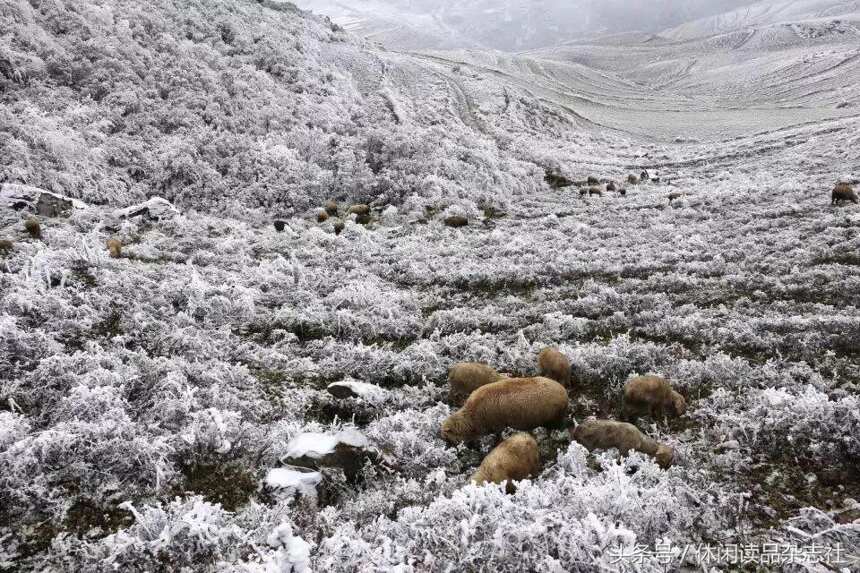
509 25
763 14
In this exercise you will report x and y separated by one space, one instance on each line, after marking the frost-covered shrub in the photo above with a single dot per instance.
787 423
571 521
189 533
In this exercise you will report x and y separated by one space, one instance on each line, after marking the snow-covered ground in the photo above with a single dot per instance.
152 406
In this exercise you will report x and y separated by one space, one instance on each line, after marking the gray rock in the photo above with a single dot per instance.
38 201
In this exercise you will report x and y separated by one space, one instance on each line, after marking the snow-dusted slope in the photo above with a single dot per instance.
509 25
766 13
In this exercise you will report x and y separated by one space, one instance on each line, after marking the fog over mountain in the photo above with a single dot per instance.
510 25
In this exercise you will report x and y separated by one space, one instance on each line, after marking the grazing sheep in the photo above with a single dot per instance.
519 403
456 221
280 225
115 248
338 226
360 209
556 180
554 365
611 186
583 192
654 395
5 246
515 459
675 195
466 377
592 180
595 191
33 227
605 434
331 208
632 179
322 217
843 192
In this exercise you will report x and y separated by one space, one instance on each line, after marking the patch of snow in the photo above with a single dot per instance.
285 478
317 445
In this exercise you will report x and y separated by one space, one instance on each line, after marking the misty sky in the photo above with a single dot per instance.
512 25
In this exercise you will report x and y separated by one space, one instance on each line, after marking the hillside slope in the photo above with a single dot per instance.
765 13
214 105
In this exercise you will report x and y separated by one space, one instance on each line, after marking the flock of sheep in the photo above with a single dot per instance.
492 402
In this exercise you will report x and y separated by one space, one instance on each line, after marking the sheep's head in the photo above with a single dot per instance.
457 428
664 456
478 478
679 404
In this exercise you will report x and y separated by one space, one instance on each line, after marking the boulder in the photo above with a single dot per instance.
38 201
154 208
348 450
354 389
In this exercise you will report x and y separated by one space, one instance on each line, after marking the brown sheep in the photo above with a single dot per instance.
632 179
515 459
322 217
519 403
115 248
359 210
843 192
592 180
456 221
583 191
595 191
654 395
338 226
33 227
554 365
611 186
6 246
605 434
331 208
466 377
